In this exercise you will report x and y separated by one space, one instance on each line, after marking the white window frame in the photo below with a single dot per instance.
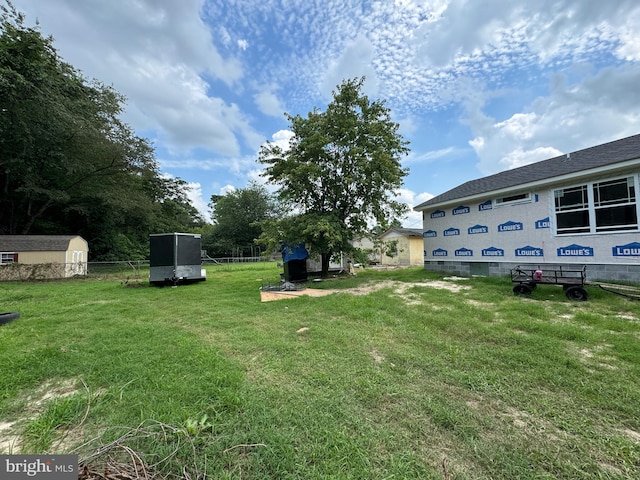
7 258
591 208
524 197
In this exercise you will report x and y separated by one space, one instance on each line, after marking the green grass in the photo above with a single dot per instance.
419 382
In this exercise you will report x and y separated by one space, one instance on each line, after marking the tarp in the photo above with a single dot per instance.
295 251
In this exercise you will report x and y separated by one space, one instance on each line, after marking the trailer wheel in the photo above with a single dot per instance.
532 285
578 294
6 317
522 289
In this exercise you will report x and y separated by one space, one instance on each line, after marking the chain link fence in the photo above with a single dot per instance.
121 270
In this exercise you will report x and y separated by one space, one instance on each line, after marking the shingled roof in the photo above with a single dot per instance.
35 243
593 157
408 232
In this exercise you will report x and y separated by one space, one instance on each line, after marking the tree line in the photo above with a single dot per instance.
69 164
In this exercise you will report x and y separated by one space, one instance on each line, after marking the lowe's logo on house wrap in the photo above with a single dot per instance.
477 229
429 234
543 223
493 252
628 250
464 252
510 227
529 251
451 232
575 251
461 210
488 205
438 214
439 252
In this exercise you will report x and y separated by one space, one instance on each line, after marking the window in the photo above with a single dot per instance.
8 257
572 210
520 197
615 205
607 206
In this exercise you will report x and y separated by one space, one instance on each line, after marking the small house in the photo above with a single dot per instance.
401 246
42 256
580 208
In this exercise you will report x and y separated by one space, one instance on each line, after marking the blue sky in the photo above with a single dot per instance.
476 86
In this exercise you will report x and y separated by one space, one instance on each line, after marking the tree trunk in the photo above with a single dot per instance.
33 217
325 258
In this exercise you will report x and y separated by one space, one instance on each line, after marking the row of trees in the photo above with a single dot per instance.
67 161
237 218
69 164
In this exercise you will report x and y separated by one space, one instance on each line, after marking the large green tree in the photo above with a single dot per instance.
339 173
68 164
237 218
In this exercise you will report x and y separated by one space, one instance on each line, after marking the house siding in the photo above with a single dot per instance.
409 248
416 252
41 257
483 236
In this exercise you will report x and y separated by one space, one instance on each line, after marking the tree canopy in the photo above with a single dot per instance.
339 174
68 164
237 218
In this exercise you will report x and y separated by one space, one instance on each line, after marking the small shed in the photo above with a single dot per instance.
402 246
42 256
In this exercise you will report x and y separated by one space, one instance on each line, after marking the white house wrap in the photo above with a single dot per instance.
580 208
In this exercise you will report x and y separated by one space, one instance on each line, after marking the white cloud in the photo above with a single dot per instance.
519 157
269 103
600 109
411 199
281 138
194 194
233 165
224 36
356 61
227 189
158 56
431 156
545 28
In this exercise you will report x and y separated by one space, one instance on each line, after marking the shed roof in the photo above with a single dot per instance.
602 155
407 232
35 243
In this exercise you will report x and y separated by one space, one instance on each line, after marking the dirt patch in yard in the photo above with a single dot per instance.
632 434
35 404
595 357
377 356
266 296
8 439
399 289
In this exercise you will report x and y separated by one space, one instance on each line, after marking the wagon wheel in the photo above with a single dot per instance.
578 294
522 289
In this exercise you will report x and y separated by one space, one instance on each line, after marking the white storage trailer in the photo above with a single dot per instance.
175 258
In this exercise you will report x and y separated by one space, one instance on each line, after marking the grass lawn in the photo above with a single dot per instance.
403 375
